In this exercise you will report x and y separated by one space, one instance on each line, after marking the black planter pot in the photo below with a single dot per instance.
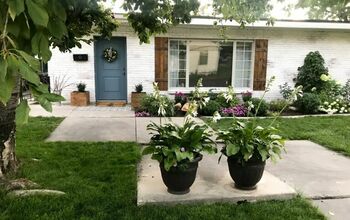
179 181
248 175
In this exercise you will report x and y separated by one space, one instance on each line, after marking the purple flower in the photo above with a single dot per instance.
238 111
179 94
142 114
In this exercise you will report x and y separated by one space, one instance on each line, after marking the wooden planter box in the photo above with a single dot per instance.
80 98
136 98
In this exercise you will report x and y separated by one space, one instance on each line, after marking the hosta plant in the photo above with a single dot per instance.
248 145
176 146
249 141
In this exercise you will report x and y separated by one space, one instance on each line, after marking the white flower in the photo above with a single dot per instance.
250 105
216 116
206 100
182 149
313 89
325 77
326 103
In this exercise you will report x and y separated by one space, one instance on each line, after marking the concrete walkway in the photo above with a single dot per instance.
97 124
317 173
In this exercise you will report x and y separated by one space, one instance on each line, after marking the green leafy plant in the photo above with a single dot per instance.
210 108
277 105
309 103
81 87
151 104
309 75
259 107
175 146
346 91
285 90
248 141
139 88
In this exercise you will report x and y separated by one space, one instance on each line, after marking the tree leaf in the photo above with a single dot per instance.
22 112
34 63
57 28
45 49
7 87
3 68
36 42
52 97
27 73
44 103
16 7
37 13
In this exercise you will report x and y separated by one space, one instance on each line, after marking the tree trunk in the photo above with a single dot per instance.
8 161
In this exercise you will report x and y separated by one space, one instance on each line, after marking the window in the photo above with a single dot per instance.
218 63
243 64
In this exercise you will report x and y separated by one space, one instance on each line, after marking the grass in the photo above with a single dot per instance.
331 132
100 179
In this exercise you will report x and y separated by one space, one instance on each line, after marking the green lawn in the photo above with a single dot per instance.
332 132
100 183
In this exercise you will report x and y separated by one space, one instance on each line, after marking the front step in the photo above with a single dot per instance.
111 103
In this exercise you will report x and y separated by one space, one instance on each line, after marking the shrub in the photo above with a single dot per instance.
151 105
81 87
332 89
264 106
309 75
139 88
277 105
338 105
209 109
285 90
346 91
246 96
309 103
180 98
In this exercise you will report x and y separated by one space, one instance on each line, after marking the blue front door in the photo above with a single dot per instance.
110 76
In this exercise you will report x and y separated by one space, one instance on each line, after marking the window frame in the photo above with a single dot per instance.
234 55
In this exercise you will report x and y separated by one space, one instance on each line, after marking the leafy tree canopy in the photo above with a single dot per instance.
327 9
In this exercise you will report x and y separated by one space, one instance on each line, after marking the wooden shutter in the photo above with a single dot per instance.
161 62
260 65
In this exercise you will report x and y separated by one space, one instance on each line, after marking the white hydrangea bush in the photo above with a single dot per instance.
339 106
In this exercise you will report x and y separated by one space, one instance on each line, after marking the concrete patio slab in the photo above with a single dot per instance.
94 129
213 184
334 209
314 170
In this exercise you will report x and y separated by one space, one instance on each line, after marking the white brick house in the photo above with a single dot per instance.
187 52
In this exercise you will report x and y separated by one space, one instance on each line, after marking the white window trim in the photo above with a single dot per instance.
172 90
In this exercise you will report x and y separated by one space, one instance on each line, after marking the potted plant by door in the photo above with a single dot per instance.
178 149
248 145
80 97
137 96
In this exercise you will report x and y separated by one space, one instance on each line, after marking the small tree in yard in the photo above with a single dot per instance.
309 75
30 28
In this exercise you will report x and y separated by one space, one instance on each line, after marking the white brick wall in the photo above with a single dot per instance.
287 50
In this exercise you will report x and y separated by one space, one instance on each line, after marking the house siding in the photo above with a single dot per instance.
287 49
